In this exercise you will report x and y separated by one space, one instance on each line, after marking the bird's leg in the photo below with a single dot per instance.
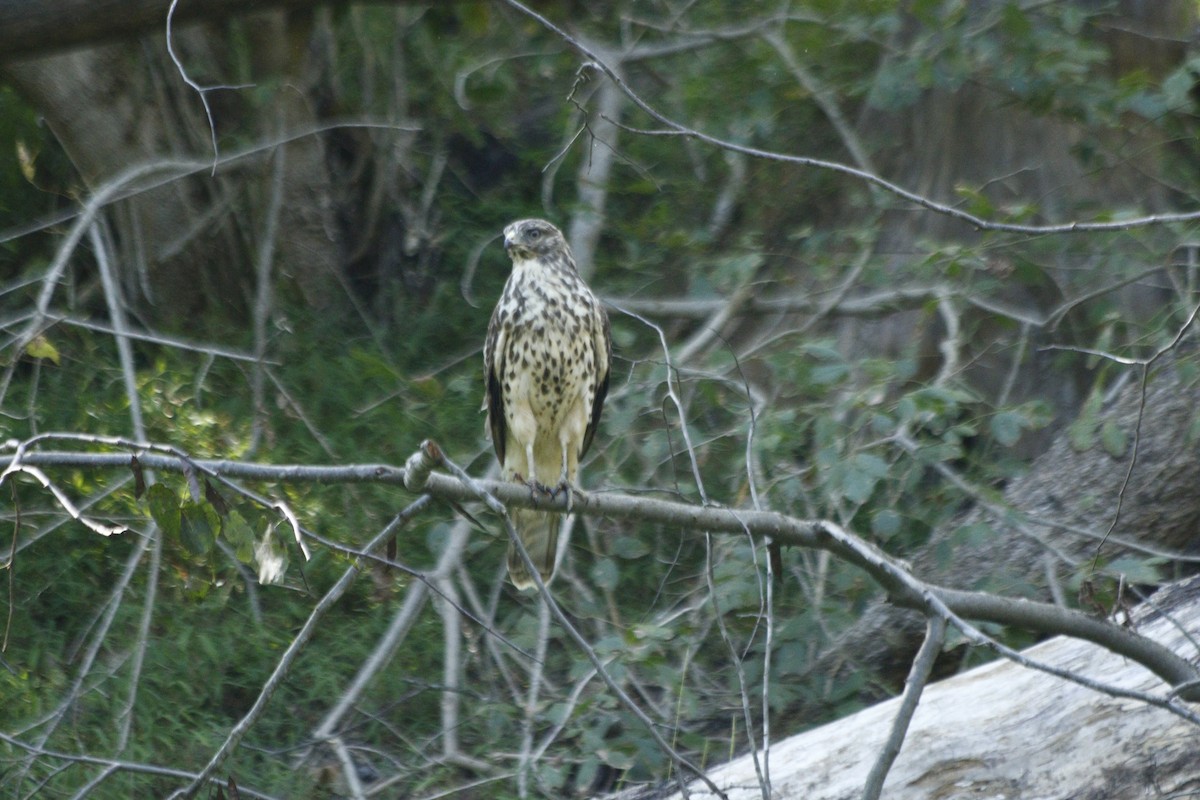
532 482
570 467
529 460
564 484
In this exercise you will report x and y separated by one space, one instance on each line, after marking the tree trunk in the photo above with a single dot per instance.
182 244
1004 730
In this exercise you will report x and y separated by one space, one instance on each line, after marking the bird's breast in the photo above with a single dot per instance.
550 356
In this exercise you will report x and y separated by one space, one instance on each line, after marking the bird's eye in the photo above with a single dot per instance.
535 234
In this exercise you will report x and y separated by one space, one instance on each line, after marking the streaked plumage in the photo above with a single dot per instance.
546 365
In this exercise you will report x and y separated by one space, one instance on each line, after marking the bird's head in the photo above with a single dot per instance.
533 238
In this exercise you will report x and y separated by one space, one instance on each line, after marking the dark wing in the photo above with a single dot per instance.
603 367
493 366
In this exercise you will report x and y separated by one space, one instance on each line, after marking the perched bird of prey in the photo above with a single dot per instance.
546 364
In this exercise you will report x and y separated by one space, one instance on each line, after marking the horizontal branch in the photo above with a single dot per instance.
875 304
871 305
34 27
703 308
116 765
418 476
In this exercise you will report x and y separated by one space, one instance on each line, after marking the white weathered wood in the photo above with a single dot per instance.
1004 731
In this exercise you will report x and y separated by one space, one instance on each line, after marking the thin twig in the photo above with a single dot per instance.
116 313
200 90
914 684
10 567
824 98
498 507
673 128
136 767
671 381
719 616
284 665
17 467
263 300
1145 365
130 183
154 338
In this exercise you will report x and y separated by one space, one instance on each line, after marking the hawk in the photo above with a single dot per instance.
546 365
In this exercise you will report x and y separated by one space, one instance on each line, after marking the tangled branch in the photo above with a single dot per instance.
903 589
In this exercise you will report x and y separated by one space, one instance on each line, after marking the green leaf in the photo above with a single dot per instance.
1015 24
629 547
1113 437
240 536
861 476
939 452
615 759
198 525
1007 426
974 535
1137 570
885 524
977 202
1178 84
41 347
1082 432
604 573
164 508
829 373
871 464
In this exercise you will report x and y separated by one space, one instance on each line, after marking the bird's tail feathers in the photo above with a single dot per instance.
539 533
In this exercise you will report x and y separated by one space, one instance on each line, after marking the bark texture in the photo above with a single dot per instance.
181 244
1003 730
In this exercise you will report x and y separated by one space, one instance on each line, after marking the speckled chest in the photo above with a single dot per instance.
549 319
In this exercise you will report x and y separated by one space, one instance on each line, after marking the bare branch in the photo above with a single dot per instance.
284 666
120 766
914 684
677 129
15 466
30 29
111 191
815 534
429 452
349 769
594 169
263 298
764 785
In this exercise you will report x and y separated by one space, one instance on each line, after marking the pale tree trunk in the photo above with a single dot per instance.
1006 730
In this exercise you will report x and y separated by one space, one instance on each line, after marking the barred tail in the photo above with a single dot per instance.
539 533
